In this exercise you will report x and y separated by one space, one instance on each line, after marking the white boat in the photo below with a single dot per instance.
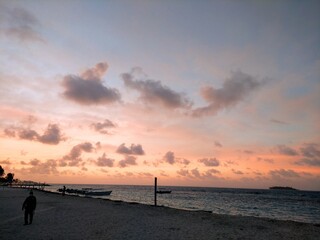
87 191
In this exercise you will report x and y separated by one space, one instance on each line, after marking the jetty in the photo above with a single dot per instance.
29 185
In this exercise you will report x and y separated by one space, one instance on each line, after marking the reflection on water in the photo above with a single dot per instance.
302 206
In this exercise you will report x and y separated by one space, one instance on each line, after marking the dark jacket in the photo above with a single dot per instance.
30 203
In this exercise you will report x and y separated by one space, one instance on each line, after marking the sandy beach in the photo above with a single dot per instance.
72 217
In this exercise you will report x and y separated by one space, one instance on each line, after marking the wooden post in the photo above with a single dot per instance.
155 191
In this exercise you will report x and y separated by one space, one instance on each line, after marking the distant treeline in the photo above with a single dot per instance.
9 177
282 188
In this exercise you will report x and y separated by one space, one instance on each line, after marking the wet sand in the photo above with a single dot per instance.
72 217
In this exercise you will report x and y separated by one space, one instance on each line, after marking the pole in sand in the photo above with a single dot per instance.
155 191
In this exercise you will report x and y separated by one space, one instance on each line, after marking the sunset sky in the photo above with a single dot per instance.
196 93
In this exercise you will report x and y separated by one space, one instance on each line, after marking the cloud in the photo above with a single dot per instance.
169 157
74 157
227 163
145 175
184 161
38 167
195 173
210 162
210 173
128 160
28 134
155 92
283 149
284 173
268 160
95 73
257 173
9 132
233 91
103 161
183 172
311 153
248 151
19 24
238 172
310 150
7 162
88 89
217 144
278 121
309 162
101 127
34 162
133 150
52 134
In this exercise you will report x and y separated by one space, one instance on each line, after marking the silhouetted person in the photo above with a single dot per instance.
64 190
29 205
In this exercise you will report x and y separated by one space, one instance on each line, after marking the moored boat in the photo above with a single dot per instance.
97 193
164 191
86 191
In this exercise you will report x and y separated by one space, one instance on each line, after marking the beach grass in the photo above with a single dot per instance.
72 217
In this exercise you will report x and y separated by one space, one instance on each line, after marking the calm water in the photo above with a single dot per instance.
302 206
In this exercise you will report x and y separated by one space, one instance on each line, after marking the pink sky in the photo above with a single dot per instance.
225 99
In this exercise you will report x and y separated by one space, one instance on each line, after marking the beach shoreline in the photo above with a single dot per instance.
73 217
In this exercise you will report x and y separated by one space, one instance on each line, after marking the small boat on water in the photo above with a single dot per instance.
164 191
86 191
97 193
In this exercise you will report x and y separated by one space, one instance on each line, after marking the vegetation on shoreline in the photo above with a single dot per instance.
8 179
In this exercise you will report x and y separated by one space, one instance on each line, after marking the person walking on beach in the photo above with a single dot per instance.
64 190
29 205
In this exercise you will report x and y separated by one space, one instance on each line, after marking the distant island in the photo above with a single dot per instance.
282 188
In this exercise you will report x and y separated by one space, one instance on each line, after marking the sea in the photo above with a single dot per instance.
295 205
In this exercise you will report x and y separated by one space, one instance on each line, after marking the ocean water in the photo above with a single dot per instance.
301 206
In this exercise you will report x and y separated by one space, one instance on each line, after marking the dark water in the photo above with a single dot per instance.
301 206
